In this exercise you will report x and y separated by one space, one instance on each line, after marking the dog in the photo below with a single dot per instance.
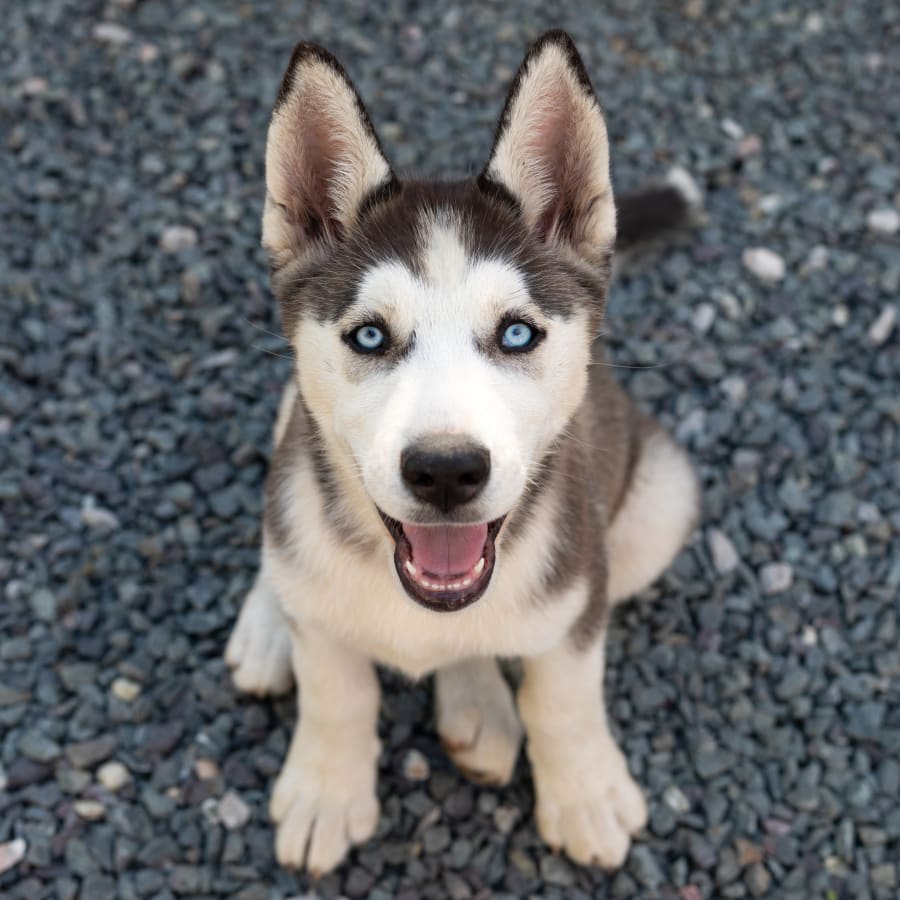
456 476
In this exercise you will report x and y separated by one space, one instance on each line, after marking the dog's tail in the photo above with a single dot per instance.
655 211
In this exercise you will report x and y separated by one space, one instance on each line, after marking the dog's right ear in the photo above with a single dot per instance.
551 152
323 159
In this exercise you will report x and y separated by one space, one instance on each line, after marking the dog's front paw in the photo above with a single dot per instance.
477 721
324 802
259 650
587 802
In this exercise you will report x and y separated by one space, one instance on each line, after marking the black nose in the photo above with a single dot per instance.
445 476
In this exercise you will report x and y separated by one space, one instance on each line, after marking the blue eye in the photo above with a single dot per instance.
517 336
368 338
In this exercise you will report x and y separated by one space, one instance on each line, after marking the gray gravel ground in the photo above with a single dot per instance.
756 688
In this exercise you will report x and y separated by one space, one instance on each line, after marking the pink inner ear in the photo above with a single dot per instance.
551 145
310 172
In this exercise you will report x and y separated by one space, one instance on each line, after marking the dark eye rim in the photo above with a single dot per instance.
537 333
349 337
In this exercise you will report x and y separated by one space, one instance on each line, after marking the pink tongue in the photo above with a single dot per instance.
446 549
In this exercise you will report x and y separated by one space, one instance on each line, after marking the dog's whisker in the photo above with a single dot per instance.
259 327
272 352
660 365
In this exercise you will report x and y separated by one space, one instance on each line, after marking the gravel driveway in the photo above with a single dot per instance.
756 689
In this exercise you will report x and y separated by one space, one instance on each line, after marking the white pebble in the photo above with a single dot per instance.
764 264
111 33
415 766
868 512
125 689
11 854
206 768
177 237
148 53
113 775
33 86
703 317
841 315
881 328
89 810
776 577
730 304
725 556
748 146
817 259
769 204
96 516
874 61
884 221
233 812
814 23
732 129
735 388
675 799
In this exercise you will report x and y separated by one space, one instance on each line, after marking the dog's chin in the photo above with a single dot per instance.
446 592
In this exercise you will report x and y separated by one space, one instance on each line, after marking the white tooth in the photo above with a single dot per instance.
411 568
479 567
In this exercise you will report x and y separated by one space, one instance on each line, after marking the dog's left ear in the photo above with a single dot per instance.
551 152
323 159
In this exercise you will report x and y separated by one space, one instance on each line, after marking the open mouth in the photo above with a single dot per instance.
445 568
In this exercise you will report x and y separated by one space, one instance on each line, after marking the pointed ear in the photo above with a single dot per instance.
323 158
551 151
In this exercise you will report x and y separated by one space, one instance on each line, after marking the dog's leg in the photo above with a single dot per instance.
324 799
477 720
587 802
655 519
259 649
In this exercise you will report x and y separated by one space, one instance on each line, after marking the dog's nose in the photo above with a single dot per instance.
445 476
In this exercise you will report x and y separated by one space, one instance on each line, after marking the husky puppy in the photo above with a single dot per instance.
456 476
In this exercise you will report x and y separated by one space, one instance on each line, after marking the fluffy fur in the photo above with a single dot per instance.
594 498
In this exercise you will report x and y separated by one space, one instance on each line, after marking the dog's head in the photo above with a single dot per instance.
442 331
